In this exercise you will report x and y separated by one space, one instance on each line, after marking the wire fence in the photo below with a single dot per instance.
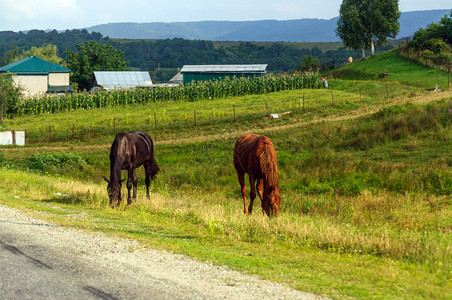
206 112
200 115
437 63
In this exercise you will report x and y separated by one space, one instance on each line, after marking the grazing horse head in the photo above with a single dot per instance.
114 192
271 202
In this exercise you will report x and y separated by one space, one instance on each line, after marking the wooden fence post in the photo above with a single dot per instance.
266 106
303 102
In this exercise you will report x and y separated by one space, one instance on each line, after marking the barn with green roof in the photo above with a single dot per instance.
37 76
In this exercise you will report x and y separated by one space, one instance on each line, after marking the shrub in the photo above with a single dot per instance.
43 161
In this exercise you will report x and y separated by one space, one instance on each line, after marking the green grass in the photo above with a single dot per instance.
366 209
339 223
363 77
398 69
178 118
311 252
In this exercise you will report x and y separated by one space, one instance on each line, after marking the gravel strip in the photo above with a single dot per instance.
177 276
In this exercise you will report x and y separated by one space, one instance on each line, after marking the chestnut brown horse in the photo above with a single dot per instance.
129 151
256 156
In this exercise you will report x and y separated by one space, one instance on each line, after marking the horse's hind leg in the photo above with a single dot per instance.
147 180
134 183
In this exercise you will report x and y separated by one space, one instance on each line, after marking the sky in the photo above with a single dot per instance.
17 15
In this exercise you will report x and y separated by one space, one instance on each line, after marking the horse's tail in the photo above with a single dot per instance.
154 167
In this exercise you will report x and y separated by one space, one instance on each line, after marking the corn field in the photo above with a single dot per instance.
205 90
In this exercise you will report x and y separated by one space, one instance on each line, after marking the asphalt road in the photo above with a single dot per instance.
31 269
41 260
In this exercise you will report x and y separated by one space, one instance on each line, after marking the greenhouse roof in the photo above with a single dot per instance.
122 79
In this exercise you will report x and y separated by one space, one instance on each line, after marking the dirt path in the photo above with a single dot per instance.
424 98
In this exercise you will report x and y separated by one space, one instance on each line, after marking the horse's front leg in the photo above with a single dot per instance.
252 193
259 188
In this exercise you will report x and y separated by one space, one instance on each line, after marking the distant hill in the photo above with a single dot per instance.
302 30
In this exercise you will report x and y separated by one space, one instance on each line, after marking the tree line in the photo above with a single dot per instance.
433 43
153 55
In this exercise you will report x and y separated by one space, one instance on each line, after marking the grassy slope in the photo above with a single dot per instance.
376 243
397 67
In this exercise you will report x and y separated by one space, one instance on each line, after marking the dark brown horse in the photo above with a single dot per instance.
256 156
129 151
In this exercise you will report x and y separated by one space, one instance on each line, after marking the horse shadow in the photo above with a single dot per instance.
73 199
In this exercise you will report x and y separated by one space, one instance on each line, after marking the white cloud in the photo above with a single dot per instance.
50 11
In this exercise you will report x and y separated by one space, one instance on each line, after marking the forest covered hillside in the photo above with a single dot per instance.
301 30
151 55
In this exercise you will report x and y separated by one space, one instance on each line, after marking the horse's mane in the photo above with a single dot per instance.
268 163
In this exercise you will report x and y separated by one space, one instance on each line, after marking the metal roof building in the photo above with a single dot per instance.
215 72
33 65
38 76
110 80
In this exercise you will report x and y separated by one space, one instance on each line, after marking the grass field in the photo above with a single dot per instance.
367 197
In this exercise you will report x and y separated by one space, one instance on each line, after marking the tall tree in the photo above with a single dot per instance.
309 64
47 52
93 56
10 56
9 95
349 26
363 24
